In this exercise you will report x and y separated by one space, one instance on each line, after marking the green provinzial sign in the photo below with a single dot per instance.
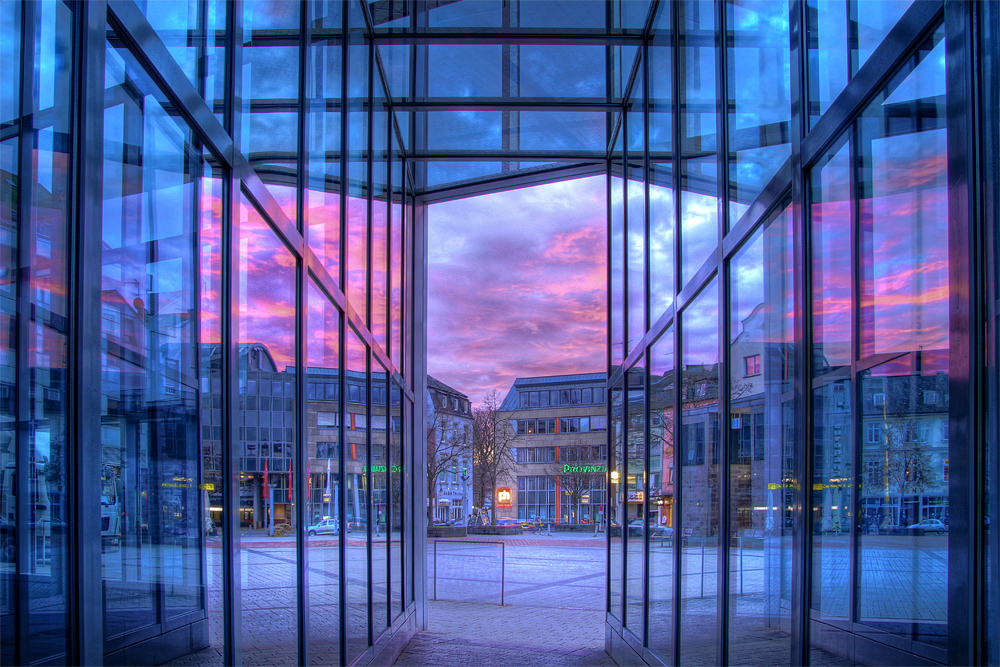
568 469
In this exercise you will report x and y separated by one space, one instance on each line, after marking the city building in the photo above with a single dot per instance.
558 444
449 452
211 209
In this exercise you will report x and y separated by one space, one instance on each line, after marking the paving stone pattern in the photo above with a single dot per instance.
461 634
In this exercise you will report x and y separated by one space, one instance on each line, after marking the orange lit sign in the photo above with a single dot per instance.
505 498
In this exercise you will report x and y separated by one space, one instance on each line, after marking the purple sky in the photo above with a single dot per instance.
517 286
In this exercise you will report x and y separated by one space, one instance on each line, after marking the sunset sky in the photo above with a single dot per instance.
517 286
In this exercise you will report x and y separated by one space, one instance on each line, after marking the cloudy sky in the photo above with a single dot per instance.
517 286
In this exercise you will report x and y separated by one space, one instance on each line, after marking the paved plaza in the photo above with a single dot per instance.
553 594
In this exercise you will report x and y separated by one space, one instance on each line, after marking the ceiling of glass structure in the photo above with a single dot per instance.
485 91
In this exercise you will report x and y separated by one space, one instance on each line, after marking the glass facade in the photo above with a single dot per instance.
212 296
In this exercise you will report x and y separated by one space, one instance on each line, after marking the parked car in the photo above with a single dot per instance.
928 526
324 527
655 530
507 521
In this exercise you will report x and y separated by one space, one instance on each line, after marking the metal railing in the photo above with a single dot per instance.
503 557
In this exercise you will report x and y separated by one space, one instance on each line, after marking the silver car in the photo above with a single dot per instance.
324 527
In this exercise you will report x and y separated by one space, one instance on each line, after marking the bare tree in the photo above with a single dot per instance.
578 471
900 464
447 442
492 439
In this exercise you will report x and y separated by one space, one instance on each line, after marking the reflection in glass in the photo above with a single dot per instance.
266 436
357 500
636 257
152 512
324 114
760 457
617 247
831 216
35 213
394 531
662 543
699 461
831 509
379 512
698 166
635 519
904 516
323 419
616 508
270 96
759 95
661 240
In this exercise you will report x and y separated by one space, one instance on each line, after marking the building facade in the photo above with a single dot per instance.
558 461
449 453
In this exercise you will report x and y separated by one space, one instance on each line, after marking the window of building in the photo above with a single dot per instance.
752 365
873 433
327 419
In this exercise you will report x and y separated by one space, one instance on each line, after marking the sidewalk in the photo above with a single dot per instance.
470 633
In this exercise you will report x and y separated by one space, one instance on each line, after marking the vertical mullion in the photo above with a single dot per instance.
230 325
301 448
675 119
966 359
722 151
646 341
801 401
345 115
609 309
25 236
87 624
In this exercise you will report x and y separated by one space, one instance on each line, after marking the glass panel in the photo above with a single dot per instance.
267 372
832 500
903 221
699 460
396 494
561 131
270 96
616 203
322 142
396 259
635 519
380 499
616 506
661 240
324 493
464 70
463 130
34 557
636 255
356 456
193 32
561 71
762 315
380 222
661 129
831 269
213 514
152 516
842 36
699 170
759 95
660 633
905 312
357 174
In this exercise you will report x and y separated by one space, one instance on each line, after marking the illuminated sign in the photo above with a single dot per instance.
395 469
635 496
578 470
505 498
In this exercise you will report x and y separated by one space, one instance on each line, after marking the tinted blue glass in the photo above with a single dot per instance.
616 505
562 130
661 239
464 130
660 523
699 461
636 517
357 499
464 70
759 98
481 14
616 203
565 14
440 173
561 71
152 514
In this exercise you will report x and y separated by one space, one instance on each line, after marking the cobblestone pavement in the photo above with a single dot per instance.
460 634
